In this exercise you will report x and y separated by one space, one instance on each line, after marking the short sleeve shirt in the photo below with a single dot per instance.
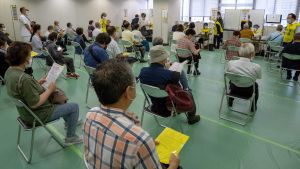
24 21
28 91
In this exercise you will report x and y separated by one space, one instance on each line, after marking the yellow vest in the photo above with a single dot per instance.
103 23
215 28
205 30
290 32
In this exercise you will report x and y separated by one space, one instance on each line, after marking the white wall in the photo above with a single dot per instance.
78 12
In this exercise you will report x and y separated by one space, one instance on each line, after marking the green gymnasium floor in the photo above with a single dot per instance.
270 141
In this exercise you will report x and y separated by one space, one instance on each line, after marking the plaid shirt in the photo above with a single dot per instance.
231 42
112 140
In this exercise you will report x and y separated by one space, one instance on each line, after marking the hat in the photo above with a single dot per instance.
158 54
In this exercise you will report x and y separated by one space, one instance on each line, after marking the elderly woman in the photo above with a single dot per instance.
24 87
245 67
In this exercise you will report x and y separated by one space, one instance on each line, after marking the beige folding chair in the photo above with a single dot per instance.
90 71
237 79
77 45
151 91
245 40
37 123
186 52
290 57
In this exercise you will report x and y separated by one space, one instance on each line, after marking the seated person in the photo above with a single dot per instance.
276 36
246 32
178 34
138 37
58 57
113 46
24 87
245 67
96 53
3 63
3 34
187 43
36 41
70 32
50 29
183 79
205 32
233 41
112 123
174 27
127 35
157 75
292 48
91 27
257 31
79 39
97 30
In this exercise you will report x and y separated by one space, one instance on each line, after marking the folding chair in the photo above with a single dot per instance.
151 91
77 45
170 36
186 52
273 53
129 45
1 81
290 57
85 162
245 40
237 79
37 123
90 71
173 45
47 54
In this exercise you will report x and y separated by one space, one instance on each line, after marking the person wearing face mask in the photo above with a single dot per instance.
36 41
187 43
96 53
244 67
103 22
290 29
205 32
111 122
80 40
218 34
3 34
25 23
3 63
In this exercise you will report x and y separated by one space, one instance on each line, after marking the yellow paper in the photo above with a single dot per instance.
34 54
170 141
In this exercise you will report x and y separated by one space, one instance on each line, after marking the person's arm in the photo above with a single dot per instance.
100 55
45 95
193 49
23 20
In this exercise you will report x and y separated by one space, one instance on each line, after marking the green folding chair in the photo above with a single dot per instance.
245 40
77 45
90 71
185 52
290 57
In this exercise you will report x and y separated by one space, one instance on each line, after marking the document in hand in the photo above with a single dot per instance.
53 74
177 67
170 141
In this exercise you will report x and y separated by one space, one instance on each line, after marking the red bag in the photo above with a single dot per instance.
183 100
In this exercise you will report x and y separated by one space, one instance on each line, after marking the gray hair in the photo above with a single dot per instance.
110 80
246 50
279 28
157 41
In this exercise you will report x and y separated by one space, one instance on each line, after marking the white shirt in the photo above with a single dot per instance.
128 35
144 22
96 31
23 21
178 35
137 35
113 48
245 67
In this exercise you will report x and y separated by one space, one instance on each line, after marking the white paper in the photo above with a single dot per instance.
177 67
53 74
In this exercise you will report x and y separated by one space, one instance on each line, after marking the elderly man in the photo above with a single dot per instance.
246 32
113 137
157 75
292 48
26 29
244 67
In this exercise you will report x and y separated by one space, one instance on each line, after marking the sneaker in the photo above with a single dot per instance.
72 75
73 140
194 119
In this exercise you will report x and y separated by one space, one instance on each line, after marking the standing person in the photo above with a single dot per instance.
218 34
103 22
290 29
112 128
25 25
219 19
91 28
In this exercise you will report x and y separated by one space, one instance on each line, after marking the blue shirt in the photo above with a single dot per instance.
156 75
276 37
79 39
98 55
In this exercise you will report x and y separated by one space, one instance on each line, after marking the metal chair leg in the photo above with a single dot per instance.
143 113
87 92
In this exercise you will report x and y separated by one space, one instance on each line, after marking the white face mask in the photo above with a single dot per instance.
4 29
29 63
289 21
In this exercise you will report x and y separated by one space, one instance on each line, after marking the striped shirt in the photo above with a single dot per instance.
185 43
231 42
112 140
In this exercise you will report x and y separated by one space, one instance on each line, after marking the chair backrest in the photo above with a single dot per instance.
275 46
245 40
137 38
153 91
233 48
242 80
47 54
291 56
89 70
77 45
126 43
183 52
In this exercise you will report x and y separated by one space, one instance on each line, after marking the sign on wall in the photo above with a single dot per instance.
14 12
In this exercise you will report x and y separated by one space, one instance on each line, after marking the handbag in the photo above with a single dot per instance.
58 97
183 100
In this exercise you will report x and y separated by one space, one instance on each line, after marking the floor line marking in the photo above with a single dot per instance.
252 135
